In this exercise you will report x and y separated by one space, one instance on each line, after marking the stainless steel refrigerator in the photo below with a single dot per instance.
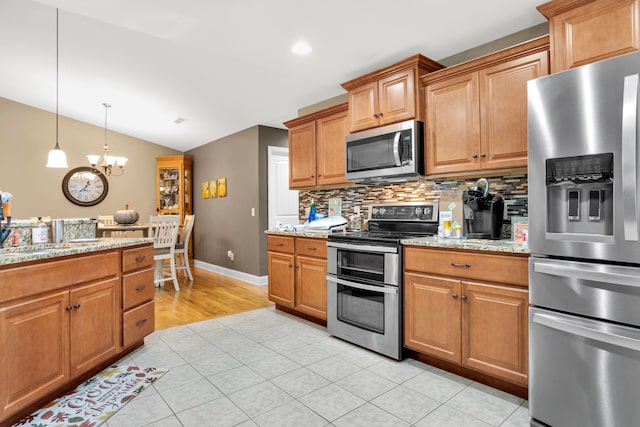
584 217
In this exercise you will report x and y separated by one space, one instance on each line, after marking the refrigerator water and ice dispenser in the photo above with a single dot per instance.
580 194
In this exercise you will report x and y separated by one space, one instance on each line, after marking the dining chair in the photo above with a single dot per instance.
182 247
164 230
108 220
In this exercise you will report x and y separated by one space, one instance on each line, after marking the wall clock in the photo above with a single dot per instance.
85 186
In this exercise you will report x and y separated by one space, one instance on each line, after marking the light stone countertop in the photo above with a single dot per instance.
469 245
19 254
320 234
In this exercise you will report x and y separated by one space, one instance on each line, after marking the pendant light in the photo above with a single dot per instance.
107 164
57 158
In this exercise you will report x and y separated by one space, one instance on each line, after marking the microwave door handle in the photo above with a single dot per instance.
582 330
396 148
629 153
381 289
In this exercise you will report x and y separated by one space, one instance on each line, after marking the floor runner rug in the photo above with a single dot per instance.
95 400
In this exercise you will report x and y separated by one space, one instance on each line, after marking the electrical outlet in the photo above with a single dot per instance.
231 255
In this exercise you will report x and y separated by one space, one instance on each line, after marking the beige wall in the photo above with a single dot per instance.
26 136
225 223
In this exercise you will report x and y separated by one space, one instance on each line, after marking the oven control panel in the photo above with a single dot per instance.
427 212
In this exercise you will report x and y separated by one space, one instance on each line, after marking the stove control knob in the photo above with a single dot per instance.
374 211
382 211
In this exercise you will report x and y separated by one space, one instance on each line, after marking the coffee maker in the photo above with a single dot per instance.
482 212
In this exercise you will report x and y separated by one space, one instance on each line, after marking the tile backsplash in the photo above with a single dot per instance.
513 189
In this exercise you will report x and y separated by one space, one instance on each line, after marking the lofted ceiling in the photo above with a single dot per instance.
222 66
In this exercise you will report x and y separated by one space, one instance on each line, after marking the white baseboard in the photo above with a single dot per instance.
246 277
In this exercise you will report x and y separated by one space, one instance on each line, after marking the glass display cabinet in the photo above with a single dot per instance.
174 186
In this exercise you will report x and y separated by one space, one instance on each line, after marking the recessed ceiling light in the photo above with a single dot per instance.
179 120
301 48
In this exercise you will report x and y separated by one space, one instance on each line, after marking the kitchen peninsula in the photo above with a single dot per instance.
68 310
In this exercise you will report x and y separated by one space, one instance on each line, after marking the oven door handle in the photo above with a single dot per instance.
582 330
368 248
383 289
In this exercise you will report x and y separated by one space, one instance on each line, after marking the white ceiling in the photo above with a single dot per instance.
224 66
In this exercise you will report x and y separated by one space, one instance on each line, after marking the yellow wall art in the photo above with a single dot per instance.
222 187
205 190
213 189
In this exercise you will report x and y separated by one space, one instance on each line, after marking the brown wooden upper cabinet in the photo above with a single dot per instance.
585 31
316 148
388 95
476 112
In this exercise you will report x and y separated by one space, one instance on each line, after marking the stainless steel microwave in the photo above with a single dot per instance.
391 153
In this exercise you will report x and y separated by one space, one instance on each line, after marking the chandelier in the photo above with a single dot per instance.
106 163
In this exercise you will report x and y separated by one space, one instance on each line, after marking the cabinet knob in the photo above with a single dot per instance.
319 175
311 176
454 296
290 265
68 308
475 156
76 306
375 115
483 155
463 297
297 266
379 113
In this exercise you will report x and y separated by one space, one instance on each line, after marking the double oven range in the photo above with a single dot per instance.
364 276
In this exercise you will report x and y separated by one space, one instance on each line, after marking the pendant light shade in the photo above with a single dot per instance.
57 158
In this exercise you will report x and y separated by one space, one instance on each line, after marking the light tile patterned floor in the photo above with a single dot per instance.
267 368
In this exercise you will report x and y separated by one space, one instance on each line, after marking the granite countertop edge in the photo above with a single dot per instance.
21 254
489 245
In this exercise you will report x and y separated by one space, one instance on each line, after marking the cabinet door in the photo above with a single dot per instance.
281 278
396 97
302 156
594 31
363 107
311 286
34 350
503 110
453 127
494 330
95 324
330 149
432 315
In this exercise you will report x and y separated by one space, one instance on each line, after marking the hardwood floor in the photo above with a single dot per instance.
209 295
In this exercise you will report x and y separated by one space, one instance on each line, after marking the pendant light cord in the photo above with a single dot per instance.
57 77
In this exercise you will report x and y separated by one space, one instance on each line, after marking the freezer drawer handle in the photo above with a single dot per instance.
628 158
585 332
579 273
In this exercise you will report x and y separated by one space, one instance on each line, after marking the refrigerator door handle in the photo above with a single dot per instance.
629 168
582 329
575 272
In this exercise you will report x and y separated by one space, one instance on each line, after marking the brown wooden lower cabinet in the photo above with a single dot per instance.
60 320
297 274
477 324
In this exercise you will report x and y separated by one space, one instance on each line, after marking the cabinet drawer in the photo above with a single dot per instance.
133 259
311 247
34 279
280 244
468 265
137 323
137 288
